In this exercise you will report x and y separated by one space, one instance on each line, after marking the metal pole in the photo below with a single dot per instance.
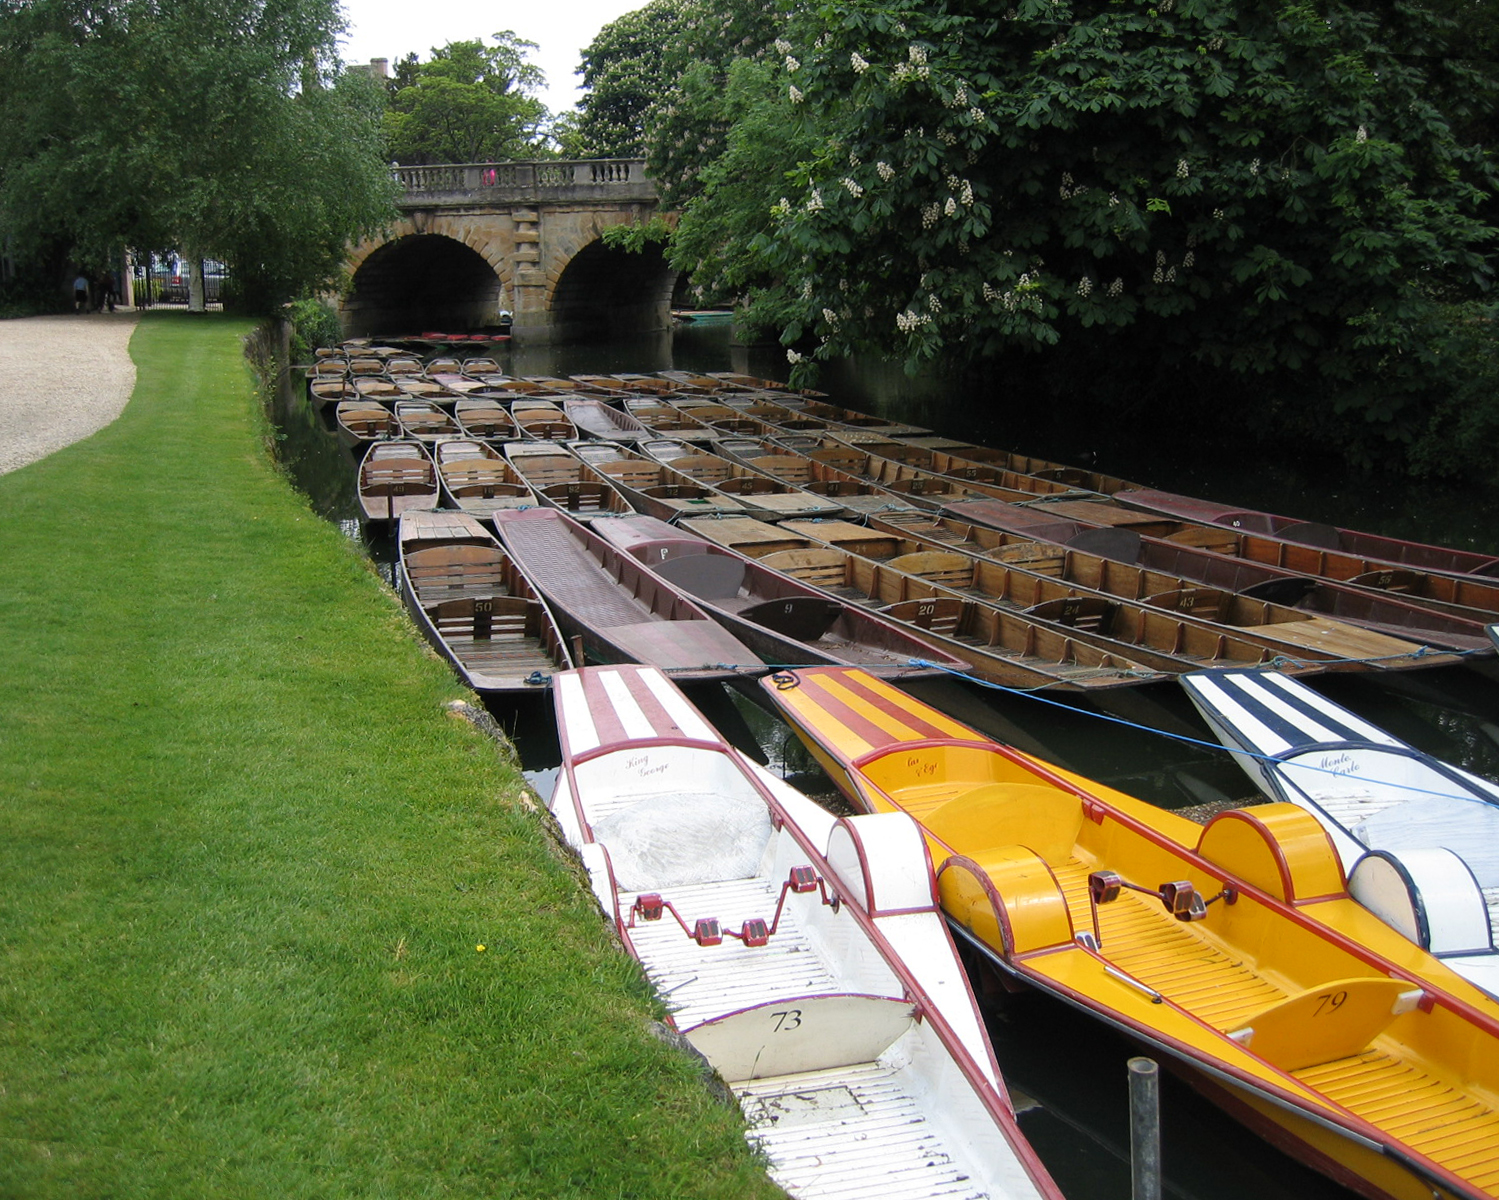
1144 1129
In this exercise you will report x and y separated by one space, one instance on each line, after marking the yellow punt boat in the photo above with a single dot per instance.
1232 949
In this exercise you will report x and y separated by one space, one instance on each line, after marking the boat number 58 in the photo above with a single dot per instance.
1329 1002
788 1020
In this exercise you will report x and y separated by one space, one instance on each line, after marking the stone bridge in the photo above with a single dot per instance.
479 239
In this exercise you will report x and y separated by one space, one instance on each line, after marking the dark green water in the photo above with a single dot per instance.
1067 1072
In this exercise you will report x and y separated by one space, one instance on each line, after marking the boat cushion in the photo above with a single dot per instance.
1120 545
1312 533
685 838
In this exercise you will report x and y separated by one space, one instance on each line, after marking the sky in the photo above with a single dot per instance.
560 28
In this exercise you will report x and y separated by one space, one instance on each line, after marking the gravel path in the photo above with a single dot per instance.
61 379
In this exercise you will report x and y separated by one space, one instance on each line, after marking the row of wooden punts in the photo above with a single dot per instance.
1323 967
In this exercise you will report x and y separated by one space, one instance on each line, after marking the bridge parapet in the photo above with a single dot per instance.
467 184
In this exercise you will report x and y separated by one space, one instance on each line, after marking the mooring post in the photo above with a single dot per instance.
1145 1129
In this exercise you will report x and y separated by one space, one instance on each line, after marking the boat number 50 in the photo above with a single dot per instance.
1329 1002
788 1020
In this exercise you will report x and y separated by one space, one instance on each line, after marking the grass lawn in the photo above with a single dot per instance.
246 858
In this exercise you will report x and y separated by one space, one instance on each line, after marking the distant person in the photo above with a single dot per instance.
106 291
80 293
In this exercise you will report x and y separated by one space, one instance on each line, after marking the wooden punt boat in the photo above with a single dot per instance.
444 364
760 494
706 383
542 421
1418 838
1076 478
733 379
1365 607
664 421
479 366
488 419
977 477
414 387
604 385
1173 630
1232 950
395 477
722 417
652 487
1003 647
619 610
652 384
856 495
556 386
424 421
365 365
1466 596
377 388
760 407
599 419
462 385
478 479
1290 630
330 366
848 418
330 389
403 364
359 421
562 480
922 488
779 618
1372 547
474 605
839 993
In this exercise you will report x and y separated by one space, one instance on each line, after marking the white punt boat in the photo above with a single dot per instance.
1418 837
803 954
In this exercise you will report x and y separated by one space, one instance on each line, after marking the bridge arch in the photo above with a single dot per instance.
536 228
421 281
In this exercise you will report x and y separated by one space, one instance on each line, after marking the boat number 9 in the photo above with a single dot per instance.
788 1020
1329 1002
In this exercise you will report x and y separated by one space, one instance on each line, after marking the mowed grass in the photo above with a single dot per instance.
246 858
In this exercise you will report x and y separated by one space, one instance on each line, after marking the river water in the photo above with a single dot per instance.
1067 1072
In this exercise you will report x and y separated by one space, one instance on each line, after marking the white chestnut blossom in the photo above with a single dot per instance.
885 171
1254 167
1084 287
1362 135
830 317
950 208
853 187
793 357
1116 288
917 53
929 214
859 64
1182 170
782 46
934 304
796 94
793 64
814 204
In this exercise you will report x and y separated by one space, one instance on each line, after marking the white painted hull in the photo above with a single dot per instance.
816 1029
1418 838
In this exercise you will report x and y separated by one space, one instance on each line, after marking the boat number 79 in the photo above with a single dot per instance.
1329 1002
788 1020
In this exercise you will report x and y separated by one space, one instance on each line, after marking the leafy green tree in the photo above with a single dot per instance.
224 128
625 72
468 103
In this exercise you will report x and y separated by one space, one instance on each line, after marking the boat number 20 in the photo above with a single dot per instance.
788 1020
1329 1002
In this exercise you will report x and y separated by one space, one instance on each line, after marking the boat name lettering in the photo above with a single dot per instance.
1344 763
641 765
788 1020
921 766
1329 1002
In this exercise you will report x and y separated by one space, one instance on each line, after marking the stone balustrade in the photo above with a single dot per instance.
612 179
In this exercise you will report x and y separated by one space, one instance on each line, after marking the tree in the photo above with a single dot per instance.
468 103
220 127
1248 187
625 72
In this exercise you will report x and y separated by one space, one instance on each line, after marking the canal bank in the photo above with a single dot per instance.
275 922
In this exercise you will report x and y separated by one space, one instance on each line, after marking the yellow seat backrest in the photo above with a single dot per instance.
1044 819
1325 1023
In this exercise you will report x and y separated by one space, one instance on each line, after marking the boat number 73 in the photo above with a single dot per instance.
1329 1002
788 1020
